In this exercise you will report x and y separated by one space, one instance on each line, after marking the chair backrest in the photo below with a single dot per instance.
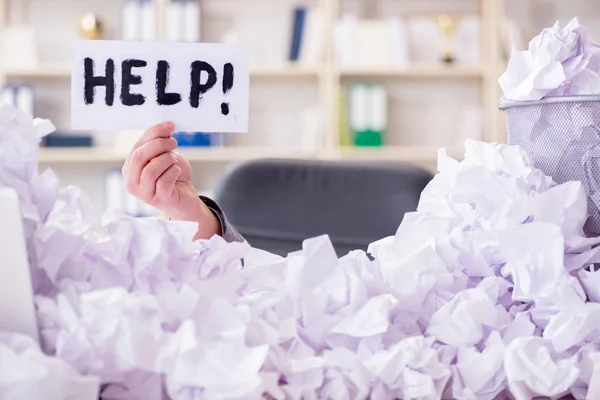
276 204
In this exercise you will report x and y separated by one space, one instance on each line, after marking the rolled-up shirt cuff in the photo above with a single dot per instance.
228 231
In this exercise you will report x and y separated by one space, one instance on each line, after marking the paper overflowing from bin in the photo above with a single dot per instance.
484 290
560 61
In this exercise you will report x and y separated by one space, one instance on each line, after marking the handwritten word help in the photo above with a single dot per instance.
133 85
128 79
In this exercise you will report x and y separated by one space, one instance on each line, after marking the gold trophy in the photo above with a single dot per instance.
91 27
447 26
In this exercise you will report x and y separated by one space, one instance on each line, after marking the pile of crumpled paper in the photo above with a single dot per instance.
560 61
485 292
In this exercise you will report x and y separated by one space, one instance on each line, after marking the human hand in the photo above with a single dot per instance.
159 176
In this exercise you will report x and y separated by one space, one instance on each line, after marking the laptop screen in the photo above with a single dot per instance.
17 309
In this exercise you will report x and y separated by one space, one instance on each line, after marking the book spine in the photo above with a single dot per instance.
6 96
175 21
379 110
358 108
299 18
368 114
148 21
344 123
114 190
131 20
192 18
398 38
19 96
117 197
148 211
24 99
133 205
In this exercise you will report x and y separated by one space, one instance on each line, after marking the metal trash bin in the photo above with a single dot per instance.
562 137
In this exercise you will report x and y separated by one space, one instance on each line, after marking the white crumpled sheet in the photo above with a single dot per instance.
483 291
560 61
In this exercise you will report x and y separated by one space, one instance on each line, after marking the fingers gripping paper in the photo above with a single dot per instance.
132 85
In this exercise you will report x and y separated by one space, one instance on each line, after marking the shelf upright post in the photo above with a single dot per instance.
162 6
491 50
4 13
329 80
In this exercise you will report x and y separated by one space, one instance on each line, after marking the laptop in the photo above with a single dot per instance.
17 309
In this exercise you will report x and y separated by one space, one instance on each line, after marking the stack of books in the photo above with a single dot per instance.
368 114
182 20
379 43
198 139
20 96
138 20
117 197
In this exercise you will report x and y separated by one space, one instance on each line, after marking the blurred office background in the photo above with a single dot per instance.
339 80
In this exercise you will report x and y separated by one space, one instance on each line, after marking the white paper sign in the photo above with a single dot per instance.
123 85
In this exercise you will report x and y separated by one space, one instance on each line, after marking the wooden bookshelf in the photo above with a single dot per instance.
277 85
326 78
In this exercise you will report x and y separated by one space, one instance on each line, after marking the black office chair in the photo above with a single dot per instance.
276 204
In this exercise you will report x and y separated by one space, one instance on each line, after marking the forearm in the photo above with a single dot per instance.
210 218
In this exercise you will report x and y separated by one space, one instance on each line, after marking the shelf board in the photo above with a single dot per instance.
98 155
80 155
293 71
284 71
415 70
427 70
243 153
87 155
38 73
398 153
57 72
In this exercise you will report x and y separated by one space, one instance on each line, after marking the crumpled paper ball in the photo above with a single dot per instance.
486 291
559 62
27 373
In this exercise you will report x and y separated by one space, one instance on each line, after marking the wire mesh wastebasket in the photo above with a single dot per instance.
562 137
